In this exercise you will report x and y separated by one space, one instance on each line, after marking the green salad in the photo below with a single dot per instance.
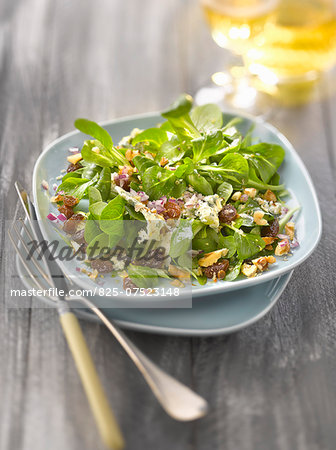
191 170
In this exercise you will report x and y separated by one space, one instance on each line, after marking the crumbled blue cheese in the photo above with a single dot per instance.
271 207
142 236
155 222
208 210
118 264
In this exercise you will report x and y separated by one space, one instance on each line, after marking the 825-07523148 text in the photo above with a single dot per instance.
97 291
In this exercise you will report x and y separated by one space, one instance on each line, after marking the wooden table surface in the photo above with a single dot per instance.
271 386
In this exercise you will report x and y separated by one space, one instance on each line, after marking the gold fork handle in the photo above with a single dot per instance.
106 422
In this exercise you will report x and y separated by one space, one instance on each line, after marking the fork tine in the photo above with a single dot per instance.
32 238
34 261
27 268
29 233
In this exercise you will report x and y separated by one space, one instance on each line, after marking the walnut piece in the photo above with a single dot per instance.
251 192
176 272
211 258
282 248
290 230
236 196
258 218
268 240
269 196
74 159
249 270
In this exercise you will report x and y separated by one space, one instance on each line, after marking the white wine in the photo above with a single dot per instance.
298 39
278 39
234 23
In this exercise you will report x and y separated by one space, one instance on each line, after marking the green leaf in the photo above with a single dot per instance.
206 146
247 141
167 127
142 163
102 159
185 169
225 190
179 188
115 232
287 217
144 276
114 210
89 171
96 209
91 229
98 245
233 272
111 219
77 187
275 179
94 195
244 220
181 239
197 226
265 158
233 167
255 182
96 131
248 245
158 181
209 243
105 157
229 243
104 183
172 152
232 123
200 184
156 136
180 107
202 279
75 174
133 214
207 117
179 118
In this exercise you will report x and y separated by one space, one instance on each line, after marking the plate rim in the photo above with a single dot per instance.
164 330
240 284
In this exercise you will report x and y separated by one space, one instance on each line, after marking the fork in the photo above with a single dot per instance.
105 420
178 400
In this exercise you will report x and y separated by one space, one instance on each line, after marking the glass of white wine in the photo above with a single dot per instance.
283 46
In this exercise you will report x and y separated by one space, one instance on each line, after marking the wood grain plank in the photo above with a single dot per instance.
271 385
329 114
97 60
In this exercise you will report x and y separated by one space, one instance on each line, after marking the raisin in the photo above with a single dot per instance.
172 210
271 230
69 200
73 167
154 263
227 214
128 284
102 265
68 212
83 248
123 183
78 236
218 269
71 225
